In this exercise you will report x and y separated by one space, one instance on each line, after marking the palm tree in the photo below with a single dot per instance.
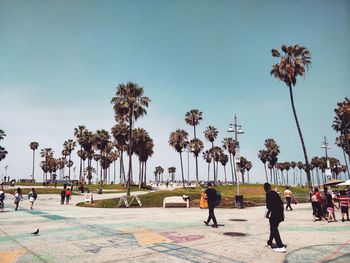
47 154
293 165
208 158
193 118
290 66
340 142
229 144
273 150
69 146
211 133
79 134
300 166
120 134
179 141
196 146
3 152
263 156
287 166
216 152
248 166
101 143
33 146
129 104
242 166
172 170
223 161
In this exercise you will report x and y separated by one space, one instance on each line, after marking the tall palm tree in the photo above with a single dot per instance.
291 65
130 103
33 146
216 151
263 156
229 144
208 158
179 141
120 134
340 142
3 152
101 143
47 154
193 118
293 165
273 150
196 146
242 166
287 166
69 146
211 133
79 134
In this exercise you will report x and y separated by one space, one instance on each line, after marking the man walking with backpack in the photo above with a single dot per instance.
212 198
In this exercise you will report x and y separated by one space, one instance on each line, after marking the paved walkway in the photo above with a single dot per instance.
75 234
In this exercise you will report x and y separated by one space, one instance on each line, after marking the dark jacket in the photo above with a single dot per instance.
274 206
211 196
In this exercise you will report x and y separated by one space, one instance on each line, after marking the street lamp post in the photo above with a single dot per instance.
326 146
237 129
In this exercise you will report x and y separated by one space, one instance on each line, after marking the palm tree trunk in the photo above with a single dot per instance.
182 171
346 163
114 171
293 176
267 179
145 171
307 168
81 164
33 165
209 172
234 168
233 180
197 180
225 174
271 175
130 152
140 173
69 166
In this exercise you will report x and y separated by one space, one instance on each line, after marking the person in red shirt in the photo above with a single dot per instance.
317 201
344 203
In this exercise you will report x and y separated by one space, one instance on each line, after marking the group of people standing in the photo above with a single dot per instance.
324 204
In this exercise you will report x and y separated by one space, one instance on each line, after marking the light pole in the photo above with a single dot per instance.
237 129
326 146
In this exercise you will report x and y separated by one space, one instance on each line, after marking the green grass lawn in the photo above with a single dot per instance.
39 191
253 194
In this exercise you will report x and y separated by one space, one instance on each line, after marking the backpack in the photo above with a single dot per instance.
218 198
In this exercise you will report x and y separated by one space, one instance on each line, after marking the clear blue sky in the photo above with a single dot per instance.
60 63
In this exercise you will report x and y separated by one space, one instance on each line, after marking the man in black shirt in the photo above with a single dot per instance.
275 214
211 197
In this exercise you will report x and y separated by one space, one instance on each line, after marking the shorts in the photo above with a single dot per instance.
344 209
330 210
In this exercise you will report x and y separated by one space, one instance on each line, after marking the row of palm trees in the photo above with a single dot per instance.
3 151
341 124
269 157
179 140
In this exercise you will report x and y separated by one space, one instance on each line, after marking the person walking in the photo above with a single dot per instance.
288 197
63 195
275 214
32 195
68 194
211 197
344 203
18 197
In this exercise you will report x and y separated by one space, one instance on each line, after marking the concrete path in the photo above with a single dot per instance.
74 234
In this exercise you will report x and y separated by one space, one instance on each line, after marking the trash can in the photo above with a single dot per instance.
239 201
99 191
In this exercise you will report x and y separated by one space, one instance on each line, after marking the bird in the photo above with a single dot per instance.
36 232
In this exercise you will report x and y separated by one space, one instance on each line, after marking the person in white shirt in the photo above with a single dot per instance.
288 197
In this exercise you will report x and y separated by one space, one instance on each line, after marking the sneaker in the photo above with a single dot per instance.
343 220
280 250
206 223
268 246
